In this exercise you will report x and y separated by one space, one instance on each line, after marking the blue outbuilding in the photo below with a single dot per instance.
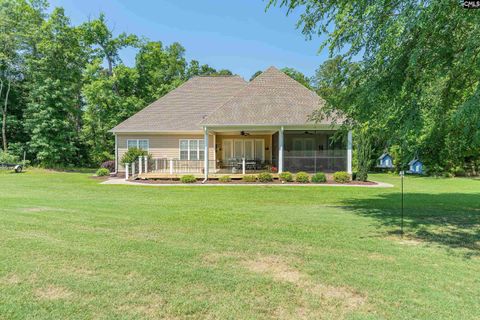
385 161
416 166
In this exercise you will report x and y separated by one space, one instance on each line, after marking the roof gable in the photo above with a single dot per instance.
272 98
183 108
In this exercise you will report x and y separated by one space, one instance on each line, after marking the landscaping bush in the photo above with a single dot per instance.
188 178
286 176
103 172
6 157
458 171
132 155
225 179
249 178
110 165
341 177
354 176
319 177
265 177
302 177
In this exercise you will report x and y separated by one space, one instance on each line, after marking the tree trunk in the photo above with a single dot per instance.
4 114
4 118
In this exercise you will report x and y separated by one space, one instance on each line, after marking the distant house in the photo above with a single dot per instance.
416 166
385 161
215 124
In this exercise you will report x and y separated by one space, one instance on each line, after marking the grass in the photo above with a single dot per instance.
72 248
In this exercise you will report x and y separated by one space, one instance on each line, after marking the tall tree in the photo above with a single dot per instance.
417 69
160 69
98 34
104 108
54 98
18 22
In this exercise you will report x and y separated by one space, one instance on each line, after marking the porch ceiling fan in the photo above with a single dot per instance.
243 133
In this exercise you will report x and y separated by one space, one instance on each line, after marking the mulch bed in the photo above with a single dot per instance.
353 183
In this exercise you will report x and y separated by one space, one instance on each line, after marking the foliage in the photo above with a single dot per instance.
6 157
256 74
54 102
188 178
341 177
225 179
102 172
302 177
298 76
249 178
458 171
286 176
265 177
110 165
319 177
364 155
132 155
62 88
407 70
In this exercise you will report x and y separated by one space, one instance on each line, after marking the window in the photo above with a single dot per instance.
192 149
138 143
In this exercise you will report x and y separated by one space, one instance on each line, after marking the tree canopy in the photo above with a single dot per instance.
407 72
62 87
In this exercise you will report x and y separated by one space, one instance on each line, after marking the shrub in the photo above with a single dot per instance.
188 178
319 177
110 165
132 155
265 177
103 172
458 171
286 176
341 177
249 178
302 177
6 157
225 179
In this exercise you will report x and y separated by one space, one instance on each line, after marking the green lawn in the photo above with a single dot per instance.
71 248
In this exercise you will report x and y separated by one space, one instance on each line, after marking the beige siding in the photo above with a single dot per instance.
161 145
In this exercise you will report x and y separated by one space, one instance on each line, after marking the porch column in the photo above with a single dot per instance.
280 150
205 145
116 154
349 152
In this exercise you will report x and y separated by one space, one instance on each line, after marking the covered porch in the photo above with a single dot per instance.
250 150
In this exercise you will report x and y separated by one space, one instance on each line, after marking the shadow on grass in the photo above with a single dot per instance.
448 219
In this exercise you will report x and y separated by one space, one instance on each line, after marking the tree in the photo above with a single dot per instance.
18 20
256 74
414 66
298 76
105 108
54 100
160 69
97 33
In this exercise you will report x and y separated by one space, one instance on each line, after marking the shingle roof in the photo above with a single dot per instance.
272 98
185 107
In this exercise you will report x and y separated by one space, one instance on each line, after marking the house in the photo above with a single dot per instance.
416 167
215 124
385 161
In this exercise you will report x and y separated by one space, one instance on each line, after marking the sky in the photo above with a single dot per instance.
227 34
